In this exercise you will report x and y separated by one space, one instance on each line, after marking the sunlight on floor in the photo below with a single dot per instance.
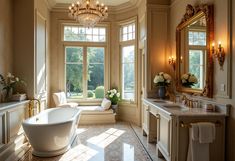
79 152
80 130
128 152
106 137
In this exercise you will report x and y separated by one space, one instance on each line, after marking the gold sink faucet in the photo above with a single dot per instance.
31 106
188 102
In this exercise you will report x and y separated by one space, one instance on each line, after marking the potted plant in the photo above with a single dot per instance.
188 80
10 85
162 80
114 96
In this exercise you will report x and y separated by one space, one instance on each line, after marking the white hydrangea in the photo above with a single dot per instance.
158 78
185 76
118 94
167 76
184 81
111 96
193 79
9 75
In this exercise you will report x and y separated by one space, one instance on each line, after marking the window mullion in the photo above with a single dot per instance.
85 73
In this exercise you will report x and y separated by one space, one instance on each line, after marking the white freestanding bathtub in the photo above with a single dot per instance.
52 131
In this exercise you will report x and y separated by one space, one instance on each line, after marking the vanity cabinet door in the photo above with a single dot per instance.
145 117
164 134
3 140
15 118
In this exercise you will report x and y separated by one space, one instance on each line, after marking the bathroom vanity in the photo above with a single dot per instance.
168 123
12 115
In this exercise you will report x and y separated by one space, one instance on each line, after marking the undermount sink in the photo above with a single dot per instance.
161 101
174 107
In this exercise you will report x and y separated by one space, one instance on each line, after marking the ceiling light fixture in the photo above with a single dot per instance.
88 12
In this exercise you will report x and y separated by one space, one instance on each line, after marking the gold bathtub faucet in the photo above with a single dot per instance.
31 106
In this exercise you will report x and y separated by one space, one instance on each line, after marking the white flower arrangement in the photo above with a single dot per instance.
188 80
114 96
11 84
162 79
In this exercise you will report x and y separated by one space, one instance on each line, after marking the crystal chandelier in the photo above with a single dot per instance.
88 12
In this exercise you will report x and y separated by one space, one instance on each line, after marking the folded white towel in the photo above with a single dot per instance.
195 132
206 132
200 135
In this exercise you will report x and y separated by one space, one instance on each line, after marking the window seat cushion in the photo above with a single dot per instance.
94 110
95 115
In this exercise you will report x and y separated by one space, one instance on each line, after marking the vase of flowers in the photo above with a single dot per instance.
162 80
10 85
114 96
188 80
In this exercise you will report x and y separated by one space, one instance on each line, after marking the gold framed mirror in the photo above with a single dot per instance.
194 60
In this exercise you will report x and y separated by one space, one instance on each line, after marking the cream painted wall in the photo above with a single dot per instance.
157 37
23 58
25 40
220 76
6 39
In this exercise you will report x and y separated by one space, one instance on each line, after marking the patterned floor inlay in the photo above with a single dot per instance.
113 142
150 147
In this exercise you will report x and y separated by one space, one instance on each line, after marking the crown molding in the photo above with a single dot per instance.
63 7
50 3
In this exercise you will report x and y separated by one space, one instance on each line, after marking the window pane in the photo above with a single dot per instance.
89 31
197 38
128 54
127 32
95 54
128 89
128 72
95 31
102 31
124 38
77 33
196 66
74 86
95 73
74 54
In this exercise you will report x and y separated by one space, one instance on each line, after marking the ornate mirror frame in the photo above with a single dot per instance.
192 14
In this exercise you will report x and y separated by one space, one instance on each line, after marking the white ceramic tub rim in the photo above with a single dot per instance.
26 122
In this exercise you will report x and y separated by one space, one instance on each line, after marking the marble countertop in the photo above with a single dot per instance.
168 108
8 105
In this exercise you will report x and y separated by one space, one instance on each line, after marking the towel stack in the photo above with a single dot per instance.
200 136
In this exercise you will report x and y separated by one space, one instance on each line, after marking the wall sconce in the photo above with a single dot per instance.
181 59
172 61
219 53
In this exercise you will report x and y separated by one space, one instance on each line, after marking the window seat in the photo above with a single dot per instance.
95 115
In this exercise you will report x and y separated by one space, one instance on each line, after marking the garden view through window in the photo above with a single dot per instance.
127 42
84 63
128 72
197 56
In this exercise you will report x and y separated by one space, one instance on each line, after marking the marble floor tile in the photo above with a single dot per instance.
150 147
112 142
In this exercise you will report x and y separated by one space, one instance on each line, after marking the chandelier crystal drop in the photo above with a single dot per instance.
88 12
